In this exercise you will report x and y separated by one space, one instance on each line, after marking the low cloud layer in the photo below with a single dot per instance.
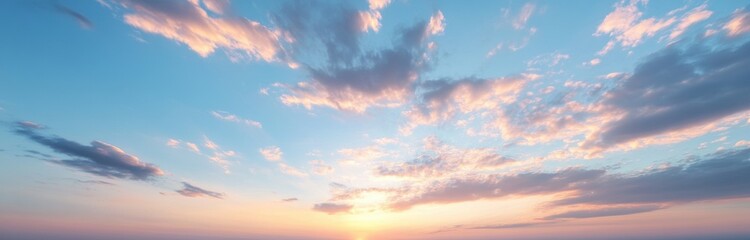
349 78
722 175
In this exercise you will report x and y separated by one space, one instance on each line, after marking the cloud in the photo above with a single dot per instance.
99 182
441 160
378 4
30 125
549 60
173 143
218 155
221 115
215 153
594 193
217 6
739 23
319 167
80 18
471 188
289 170
675 93
352 79
193 147
514 225
604 212
442 99
722 175
360 155
188 23
694 16
385 141
189 190
209 144
370 19
99 158
332 208
624 24
289 200
594 62
272 153
523 16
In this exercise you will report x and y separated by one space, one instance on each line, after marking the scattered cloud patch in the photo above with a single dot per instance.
332 208
190 190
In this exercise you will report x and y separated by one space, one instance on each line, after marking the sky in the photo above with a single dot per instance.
379 119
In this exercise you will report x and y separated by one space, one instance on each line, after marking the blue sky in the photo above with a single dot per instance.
345 116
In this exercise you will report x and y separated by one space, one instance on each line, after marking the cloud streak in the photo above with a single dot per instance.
80 18
98 158
332 208
190 190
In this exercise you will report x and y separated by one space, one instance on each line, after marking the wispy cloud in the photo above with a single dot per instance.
80 18
190 190
222 115
604 212
523 16
188 23
696 15
272 153
321 168
739 23
332 208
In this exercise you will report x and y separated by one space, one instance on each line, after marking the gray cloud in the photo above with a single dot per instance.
289 199
190 190
99 158
675 89
514 225
347 77
321 25
605 212
99 182
332 208
495 186
80 18
721 175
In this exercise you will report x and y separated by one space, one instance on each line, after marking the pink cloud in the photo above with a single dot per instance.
188 23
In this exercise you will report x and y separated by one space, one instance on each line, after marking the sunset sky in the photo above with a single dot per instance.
387 119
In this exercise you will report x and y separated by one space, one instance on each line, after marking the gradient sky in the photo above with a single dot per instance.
387 119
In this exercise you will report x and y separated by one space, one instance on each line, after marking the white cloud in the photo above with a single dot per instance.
272 153
222 115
